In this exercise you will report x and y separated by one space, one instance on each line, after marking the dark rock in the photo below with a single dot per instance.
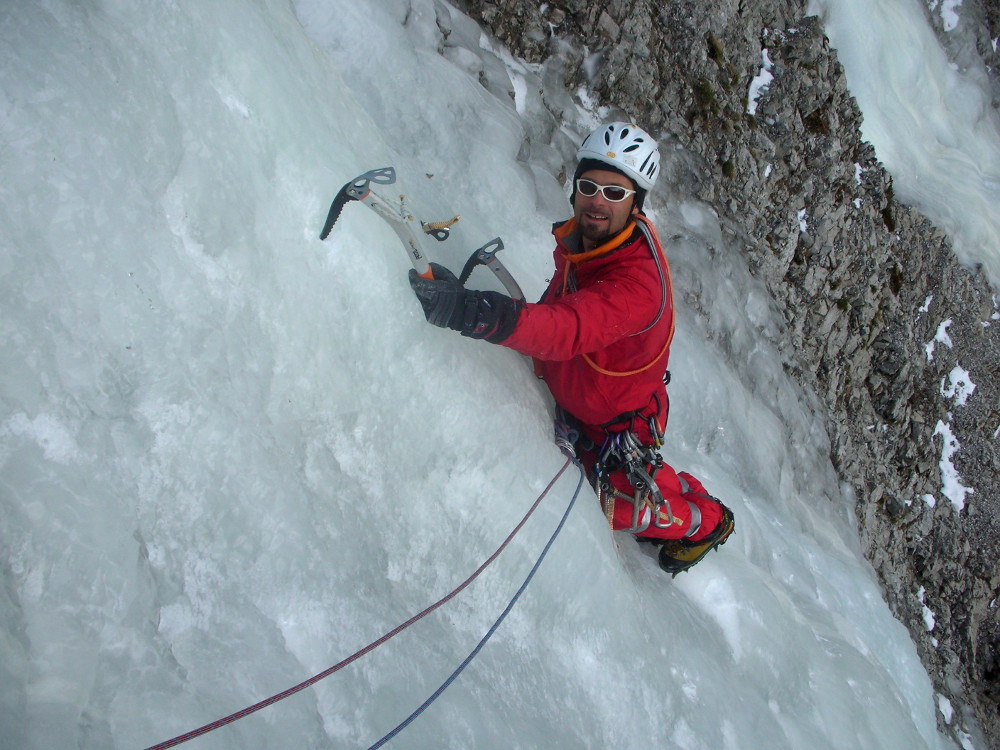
863 291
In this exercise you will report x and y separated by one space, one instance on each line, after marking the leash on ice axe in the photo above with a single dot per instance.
403 223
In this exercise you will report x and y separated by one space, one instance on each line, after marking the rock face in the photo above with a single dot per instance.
882 322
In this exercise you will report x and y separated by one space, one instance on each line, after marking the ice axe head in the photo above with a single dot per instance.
356 190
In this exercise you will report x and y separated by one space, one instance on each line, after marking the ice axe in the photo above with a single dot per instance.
403 223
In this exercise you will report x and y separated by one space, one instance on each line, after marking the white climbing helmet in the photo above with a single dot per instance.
626 147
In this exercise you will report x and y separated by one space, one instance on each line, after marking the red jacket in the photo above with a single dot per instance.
601 333
601 337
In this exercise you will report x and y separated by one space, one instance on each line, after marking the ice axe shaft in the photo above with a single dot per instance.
401 222
404 224
487 256
395 213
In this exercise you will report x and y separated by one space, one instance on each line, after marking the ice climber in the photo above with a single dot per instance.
600 337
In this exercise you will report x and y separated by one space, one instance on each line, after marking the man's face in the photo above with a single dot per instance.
598 218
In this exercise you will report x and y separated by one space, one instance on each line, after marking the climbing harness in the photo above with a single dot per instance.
623 451
570 458
403 222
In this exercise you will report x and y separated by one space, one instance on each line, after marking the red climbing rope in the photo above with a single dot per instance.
371 646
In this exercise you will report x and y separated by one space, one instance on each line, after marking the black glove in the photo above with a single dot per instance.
478 315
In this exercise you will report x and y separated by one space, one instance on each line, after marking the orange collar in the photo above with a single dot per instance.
568 227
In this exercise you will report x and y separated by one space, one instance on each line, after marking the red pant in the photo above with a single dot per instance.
675 494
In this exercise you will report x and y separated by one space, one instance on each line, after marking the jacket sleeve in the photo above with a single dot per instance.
619 305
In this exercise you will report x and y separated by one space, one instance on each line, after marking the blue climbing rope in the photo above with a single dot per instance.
568 451
479 646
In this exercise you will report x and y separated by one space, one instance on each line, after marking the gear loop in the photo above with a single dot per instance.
622 450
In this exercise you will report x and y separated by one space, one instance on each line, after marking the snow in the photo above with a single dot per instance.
946 709
959 386
951 482
950 15
929 619
940 337
232 455
760 82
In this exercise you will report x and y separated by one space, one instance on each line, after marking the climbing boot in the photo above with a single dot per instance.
677 555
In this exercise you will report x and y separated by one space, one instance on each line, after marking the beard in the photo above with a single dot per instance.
598 232
599 235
